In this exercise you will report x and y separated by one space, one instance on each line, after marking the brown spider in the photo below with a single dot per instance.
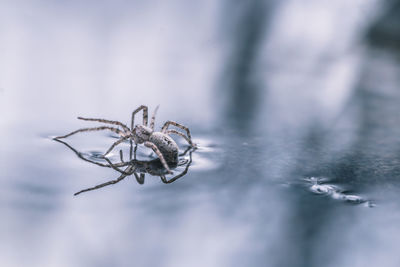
160 142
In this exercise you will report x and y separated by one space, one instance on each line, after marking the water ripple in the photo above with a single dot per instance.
320 186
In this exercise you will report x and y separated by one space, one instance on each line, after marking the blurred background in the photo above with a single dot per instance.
294 104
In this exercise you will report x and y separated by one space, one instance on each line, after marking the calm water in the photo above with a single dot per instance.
297 126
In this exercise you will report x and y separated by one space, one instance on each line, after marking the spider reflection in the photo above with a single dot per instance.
135 167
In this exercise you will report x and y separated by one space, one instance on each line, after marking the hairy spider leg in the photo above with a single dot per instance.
145 116
123 176
119 141
115 130
164 180
159 154
153 118
180 134
107 121
168 123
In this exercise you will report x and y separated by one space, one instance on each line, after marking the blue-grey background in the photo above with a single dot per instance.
295 106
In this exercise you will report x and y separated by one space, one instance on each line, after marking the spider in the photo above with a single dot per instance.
160 142
133 166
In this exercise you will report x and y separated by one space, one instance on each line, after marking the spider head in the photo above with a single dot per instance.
141 133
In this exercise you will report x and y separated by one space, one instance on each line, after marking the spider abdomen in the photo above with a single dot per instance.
166 145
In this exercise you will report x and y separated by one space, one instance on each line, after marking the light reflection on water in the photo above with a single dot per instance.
322 105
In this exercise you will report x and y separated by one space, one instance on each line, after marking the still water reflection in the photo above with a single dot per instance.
135 167
295 112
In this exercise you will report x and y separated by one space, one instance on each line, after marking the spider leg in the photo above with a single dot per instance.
123 176
168 123
107 121
180 134
153 118
115 130
145 115
159 154
164 180
119 141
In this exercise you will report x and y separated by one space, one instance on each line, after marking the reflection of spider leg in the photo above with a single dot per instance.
115 130
164 180
180 134
107 121
123 176
145 115
168 123
128 170
131 150
139 178
134 152
122 164
80 155
119 141
121 156
153 118
189 148
159 154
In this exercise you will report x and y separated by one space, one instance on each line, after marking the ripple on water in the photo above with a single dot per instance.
207 156
321 186
95 155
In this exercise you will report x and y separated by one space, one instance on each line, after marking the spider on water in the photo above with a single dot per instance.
160 142
136 167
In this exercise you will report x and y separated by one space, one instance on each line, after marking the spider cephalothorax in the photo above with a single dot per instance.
141 134
160 142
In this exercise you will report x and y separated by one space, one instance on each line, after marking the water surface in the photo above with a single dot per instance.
297 126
